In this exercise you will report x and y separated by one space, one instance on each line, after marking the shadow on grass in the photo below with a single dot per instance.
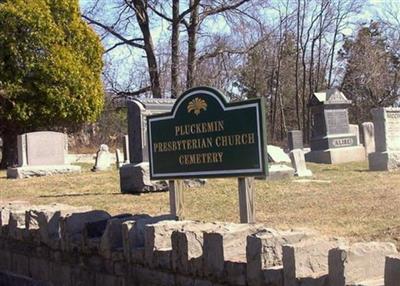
79 195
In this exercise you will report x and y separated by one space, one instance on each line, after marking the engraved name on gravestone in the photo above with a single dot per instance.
332 141
42 148
337 121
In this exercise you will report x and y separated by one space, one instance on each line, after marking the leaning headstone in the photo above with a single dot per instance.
299 163
41 154
369 137
277 155
387 139
103 159
295 139
331 139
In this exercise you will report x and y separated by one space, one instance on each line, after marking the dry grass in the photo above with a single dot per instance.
354 203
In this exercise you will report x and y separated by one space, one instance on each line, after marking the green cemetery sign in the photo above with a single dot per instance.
204 136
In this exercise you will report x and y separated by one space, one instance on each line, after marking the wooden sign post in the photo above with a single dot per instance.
246 200
205 137
176 198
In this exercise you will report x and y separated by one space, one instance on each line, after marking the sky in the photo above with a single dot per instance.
123 59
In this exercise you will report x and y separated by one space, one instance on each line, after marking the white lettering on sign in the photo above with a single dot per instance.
342 142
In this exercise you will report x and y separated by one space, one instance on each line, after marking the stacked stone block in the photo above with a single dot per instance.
64 245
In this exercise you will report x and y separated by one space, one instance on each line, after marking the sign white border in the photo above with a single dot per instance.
200 173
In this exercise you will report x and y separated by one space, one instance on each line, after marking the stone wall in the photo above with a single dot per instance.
64 245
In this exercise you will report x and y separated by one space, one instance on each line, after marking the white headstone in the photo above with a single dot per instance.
277 155
356 131
103 159
118 159
299 163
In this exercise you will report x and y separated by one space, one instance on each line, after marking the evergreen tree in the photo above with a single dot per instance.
50 68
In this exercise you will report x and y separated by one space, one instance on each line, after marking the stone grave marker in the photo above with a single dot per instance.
295 139
103 159
331 139
126 149
119 162
277 155
387 139
299 163
134 176
138 110
369 137
354 129
41 153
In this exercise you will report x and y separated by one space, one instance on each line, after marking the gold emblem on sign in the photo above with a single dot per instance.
197 105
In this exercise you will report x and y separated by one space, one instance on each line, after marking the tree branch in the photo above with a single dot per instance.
113 32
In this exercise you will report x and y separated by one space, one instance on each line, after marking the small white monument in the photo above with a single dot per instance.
103 159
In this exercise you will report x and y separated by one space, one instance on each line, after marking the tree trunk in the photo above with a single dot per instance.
143 21
175 49
298 36
9 151
192 42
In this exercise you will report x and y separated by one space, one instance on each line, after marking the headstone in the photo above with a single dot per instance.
103 159
119 162
135 143
299 163
356 131
387 139
277 155
295 139
41 153
126 149
369 137
138 110
331 139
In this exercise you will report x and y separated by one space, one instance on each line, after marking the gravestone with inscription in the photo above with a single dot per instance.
387 139
295 139
134 175
331 141
40 154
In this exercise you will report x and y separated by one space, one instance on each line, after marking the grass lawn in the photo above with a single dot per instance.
347 200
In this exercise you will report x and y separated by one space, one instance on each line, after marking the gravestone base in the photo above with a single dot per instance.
337 156
384 161
135 179
38 171
279 172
